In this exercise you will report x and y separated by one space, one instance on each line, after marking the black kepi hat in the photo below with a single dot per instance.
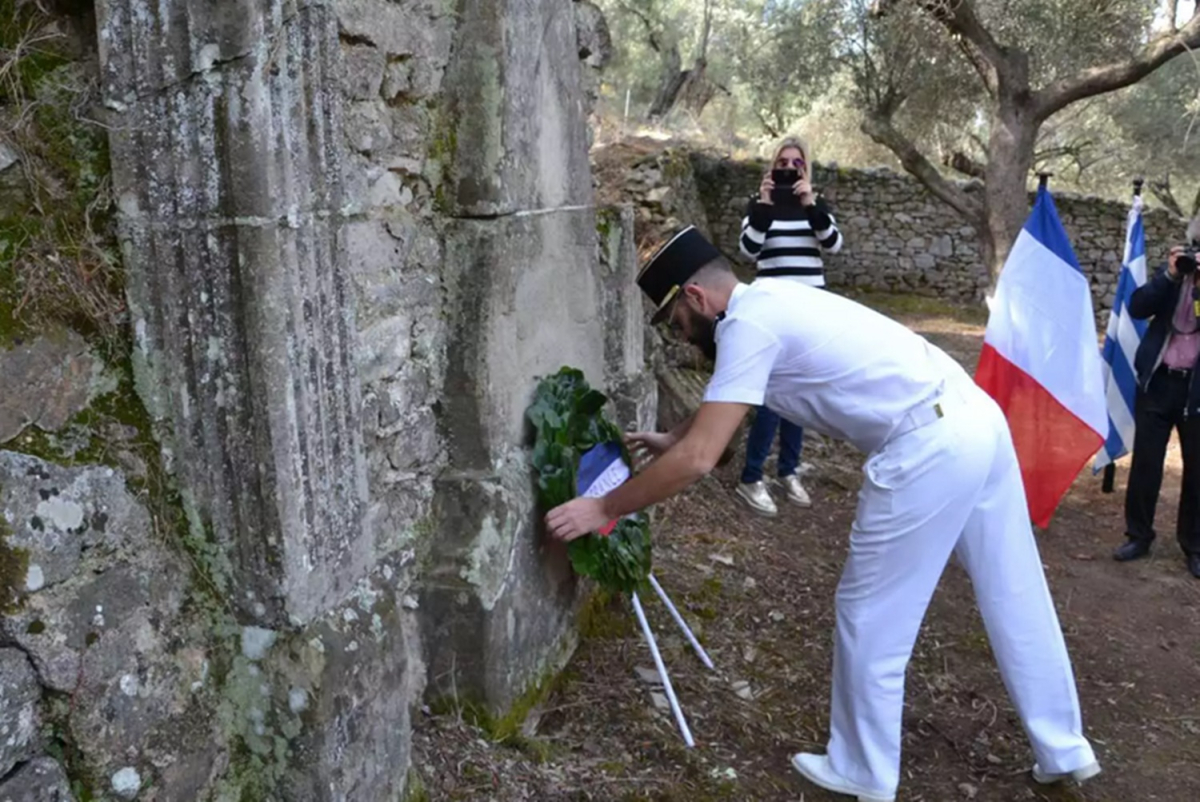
672 265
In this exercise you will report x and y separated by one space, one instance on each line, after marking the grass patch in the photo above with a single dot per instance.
59 259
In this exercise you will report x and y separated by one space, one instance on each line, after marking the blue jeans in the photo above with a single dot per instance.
758 445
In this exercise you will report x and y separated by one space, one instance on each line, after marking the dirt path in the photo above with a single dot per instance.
760 594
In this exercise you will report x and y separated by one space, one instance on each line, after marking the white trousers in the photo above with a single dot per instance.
953 485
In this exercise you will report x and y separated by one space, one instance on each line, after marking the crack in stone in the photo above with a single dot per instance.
268 46
518 213
8 642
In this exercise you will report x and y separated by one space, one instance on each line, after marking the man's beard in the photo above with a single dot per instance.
705 334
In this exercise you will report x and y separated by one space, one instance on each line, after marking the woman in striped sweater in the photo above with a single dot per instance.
786 241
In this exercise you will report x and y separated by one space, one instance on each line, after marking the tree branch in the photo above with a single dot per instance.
704 34
878 125
1161 190
1107 78
959 18
964 164
651 32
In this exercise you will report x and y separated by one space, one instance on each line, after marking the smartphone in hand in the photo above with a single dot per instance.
783 194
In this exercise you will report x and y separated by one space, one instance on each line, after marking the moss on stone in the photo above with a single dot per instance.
505 727
414 788
602 617
440 157
14 564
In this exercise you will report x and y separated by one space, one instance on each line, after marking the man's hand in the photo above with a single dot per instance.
576 518
764 189
645 447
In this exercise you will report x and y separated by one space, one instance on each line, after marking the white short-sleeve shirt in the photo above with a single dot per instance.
824 362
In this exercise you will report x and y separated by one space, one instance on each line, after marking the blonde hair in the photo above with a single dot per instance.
793 142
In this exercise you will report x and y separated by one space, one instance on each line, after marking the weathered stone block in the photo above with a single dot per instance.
19 716
229 192
47 382
526 292
363 71
526 295
351 680
105 621
57 514
498 602
628 382
418 28
513 99
39 780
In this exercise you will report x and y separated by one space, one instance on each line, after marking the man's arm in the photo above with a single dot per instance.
745 355
690 459
681 429
1157 295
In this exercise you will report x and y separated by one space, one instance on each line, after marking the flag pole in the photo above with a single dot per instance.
1110 470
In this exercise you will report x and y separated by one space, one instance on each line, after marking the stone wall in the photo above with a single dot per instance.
294 500
898 238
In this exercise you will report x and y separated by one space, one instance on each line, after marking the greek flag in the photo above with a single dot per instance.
1121 344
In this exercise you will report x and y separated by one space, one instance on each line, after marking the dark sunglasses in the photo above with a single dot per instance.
797 163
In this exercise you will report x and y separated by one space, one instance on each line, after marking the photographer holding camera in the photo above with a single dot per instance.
1168 397
786 228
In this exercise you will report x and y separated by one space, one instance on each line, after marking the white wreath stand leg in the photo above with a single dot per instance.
658 661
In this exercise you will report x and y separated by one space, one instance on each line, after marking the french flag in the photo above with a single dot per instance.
602 469
1041 360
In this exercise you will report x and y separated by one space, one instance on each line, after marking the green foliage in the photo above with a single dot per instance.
569 419
819 67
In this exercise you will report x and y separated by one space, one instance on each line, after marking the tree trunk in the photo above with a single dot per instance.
1006 201
668 95
690 86
697 90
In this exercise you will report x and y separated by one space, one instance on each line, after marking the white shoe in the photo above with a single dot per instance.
795 491
815 769
755 494
1078 775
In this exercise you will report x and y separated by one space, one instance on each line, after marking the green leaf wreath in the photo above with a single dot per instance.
569 419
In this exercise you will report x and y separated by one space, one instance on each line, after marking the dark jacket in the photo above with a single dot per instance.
1157 299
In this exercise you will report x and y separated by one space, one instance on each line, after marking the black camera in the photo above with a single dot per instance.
1185 263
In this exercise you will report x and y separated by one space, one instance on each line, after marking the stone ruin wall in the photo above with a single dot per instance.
898 238
353 233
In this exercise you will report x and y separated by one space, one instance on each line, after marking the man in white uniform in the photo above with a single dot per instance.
941 477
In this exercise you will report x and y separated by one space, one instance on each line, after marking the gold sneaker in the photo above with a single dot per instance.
795 491
755 494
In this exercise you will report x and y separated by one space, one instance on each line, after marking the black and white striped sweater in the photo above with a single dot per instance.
789 240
